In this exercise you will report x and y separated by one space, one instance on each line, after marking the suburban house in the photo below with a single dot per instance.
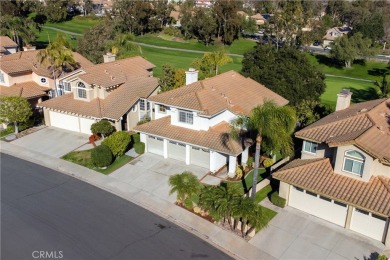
192 123
114 90
175 15
334 33
7 46
22 75
260 20
343 175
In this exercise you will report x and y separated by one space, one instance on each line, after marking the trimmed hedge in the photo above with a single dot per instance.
276 200
101 156
139 147
135 138
118 142
103 127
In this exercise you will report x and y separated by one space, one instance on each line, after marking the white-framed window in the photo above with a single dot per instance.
186 117
81 91
2 77
353 162
144 104
43 80
162 108
310 147
67 86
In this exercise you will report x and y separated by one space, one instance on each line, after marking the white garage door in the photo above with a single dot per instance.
318 206
155 145
200 157
85 125
368 224
177 151
64 121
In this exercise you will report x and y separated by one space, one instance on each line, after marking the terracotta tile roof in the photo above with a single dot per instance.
257 17
26 61
175 15
28 90
228 91
317 176
118 102
6 41
116 72
211 139
366 125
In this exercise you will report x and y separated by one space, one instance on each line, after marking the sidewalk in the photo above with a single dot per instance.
218 237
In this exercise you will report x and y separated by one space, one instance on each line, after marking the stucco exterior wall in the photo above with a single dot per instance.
322 151
217 161
18 79
380 169
132 117
284 190
339 163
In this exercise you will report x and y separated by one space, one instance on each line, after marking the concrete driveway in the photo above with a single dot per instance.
151 172
293 234
52 141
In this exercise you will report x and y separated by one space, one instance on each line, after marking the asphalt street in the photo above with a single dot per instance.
46 214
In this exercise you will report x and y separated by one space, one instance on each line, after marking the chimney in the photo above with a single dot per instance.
191 76
109 57
343 99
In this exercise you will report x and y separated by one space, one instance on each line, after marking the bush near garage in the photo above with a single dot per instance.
101 156
139 147
118 142
102 127
277 200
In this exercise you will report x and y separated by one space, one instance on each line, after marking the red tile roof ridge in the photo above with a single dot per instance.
302 162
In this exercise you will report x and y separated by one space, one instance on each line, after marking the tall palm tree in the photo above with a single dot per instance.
58 57
272 125
185 185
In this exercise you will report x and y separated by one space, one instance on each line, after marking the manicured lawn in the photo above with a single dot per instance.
83 158
268 214
246 184
362 91
177 59
263 193
47 35
238 47
76 25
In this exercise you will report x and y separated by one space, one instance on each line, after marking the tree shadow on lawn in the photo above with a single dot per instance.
378 71
328 61
361 95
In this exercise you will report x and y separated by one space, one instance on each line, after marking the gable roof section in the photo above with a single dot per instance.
118 102
366 125
26 61
317 175
214 139
6 42
116 72
228 91
28 90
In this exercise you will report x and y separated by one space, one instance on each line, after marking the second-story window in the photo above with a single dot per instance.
353 162
144 104
186 117
82 92
66 86
310 147
162 109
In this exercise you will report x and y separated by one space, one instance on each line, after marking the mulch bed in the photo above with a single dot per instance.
206 217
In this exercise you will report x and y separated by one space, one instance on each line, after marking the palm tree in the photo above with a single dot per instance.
244 211
272 125
58 57
185 185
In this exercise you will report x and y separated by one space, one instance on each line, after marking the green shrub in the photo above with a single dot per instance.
250 161
139 147
26 125
144 120
103 127
268 162
172 31
276 200
118 143
135 138
382 257
101 156
9 130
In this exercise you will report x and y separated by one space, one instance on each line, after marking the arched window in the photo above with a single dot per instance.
353 162
82 92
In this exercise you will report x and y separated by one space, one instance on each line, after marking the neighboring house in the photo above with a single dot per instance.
176 16
343 175
113 90
192 123
7 46
260 20
22 75
334 33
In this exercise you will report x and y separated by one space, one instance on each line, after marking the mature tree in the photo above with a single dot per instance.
204 26
133 16
180 75
371 27
122 44
100 35
209 64
167 79
57 10
14 110
187 19
309 111
185 185
228 20
58 57
248 25
347 49
336 9
271 124
281 71
383 85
